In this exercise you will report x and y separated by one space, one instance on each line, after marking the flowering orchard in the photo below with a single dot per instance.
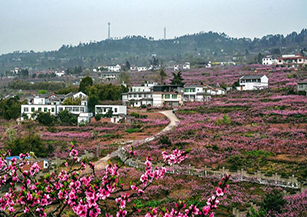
88 194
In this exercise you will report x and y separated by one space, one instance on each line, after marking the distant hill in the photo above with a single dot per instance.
139 50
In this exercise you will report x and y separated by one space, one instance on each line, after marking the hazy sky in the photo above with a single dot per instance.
48 24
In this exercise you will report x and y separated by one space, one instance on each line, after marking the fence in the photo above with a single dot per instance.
239 176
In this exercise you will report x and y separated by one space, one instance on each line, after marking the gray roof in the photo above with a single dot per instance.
251 76
192 85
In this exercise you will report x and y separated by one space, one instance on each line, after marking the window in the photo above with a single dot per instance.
32 109
52 109
39 109
134 95
60 109
140 95
174 96
25 109
115 110
82 109
75 109
45 109
167 96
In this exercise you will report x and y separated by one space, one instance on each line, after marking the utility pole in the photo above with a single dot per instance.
109 24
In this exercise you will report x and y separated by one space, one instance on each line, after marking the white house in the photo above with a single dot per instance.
253 82
59 74
76 95
200 93
84 118
116 68
53 104
186 66
118 111
268 60
139 95
142 68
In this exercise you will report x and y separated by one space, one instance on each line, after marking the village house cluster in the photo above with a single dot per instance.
152 94
289 61
53 103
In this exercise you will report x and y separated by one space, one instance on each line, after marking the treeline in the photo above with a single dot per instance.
46 85
139 49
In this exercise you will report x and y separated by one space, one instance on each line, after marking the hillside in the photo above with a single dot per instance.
138 50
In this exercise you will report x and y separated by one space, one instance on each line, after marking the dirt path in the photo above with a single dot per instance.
174 121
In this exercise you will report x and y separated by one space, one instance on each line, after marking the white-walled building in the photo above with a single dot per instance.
116 68
53 104
200 93
119 112
142 68
253 82
268 60
139 95
171 95
185 66
291 61
84 118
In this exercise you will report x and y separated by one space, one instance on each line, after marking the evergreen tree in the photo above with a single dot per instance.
177 79
85 82
162 75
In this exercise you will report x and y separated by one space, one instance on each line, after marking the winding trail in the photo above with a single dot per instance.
174 121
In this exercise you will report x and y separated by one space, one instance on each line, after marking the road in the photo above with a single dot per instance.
174 121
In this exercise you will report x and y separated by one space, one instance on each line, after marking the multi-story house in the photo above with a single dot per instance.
53 104
116 68
291 61
170 95
200 93
139 95
268 60
253 82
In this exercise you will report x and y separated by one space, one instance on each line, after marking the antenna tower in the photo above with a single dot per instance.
109 24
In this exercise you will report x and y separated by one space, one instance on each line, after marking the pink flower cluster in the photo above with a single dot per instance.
174 158
84 194
181 208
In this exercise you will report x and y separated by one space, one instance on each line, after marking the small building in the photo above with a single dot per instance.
142 68
84 118
119 112
116 68
268 60
302 86
253 82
